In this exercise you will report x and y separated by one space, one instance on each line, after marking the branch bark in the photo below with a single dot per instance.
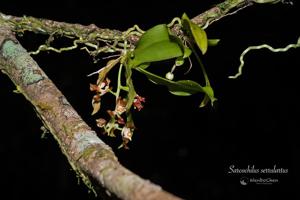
93 33
86 153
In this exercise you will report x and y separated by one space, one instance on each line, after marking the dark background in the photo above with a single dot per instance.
184 149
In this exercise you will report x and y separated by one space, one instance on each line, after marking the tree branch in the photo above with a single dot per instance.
92 33
86 153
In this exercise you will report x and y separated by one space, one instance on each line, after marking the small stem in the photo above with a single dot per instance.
201 65
118 128
119 82
172 23
112 92
125 88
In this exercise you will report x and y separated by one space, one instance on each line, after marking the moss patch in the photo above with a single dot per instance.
21 60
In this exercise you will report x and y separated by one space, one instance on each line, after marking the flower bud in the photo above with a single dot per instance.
170 76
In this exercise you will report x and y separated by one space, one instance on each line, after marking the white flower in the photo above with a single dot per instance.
126 133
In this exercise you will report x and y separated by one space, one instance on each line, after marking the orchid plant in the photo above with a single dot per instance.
155 45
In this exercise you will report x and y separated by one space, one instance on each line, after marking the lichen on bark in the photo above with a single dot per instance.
14 52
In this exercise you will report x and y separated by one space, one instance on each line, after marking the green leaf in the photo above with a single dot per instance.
144 65
180 88
156 44
200 37
196 32
190 87
158 51
213 42
204 102
155 34
209 96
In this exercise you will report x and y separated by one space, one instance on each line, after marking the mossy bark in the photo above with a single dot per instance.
92 33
